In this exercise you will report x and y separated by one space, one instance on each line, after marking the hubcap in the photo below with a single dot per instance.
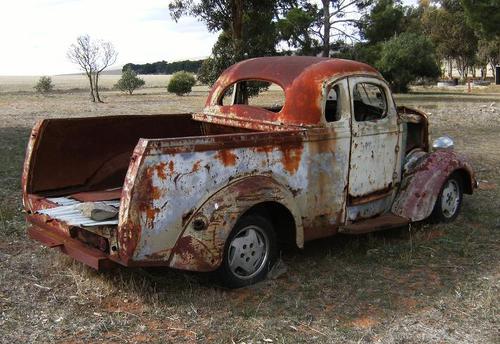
248 252
450 198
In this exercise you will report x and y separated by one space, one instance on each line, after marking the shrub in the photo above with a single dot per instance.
405 58
129 81
181 83
44 85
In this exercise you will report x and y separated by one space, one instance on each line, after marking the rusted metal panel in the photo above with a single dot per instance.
421 185
203 249
176 177
375 159
74 248
302 79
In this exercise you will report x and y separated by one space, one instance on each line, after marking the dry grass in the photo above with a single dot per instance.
74 82
426 283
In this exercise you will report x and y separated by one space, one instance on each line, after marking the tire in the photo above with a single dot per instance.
449 201
249 253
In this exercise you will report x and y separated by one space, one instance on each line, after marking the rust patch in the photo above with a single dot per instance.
227 157
196 166
171 166
128 237
155 192
191 252
160 170
291 158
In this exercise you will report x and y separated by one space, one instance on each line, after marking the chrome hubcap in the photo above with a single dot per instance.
450 198
248 252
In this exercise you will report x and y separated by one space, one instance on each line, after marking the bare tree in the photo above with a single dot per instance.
106 57
93 57
84 53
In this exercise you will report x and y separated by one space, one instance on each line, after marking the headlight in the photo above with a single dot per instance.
444 142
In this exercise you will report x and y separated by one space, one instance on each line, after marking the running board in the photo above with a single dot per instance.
385 221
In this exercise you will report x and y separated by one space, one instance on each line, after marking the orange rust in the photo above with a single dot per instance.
227 157
151 214
264 149
171 166
291 158
160 170
196 166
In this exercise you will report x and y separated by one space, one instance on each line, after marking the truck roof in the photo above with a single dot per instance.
301 78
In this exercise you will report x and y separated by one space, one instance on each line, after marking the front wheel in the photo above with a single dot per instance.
449 201
249 253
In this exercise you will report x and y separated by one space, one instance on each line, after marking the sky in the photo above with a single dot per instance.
35 34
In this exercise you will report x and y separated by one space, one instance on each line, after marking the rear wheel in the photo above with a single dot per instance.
249 253
449 200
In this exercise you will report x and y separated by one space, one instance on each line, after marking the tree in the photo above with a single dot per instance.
107 56
93 57
247 30
84 54
44 85
453 38
383 22
489 52
181 83
405 58
129 81
483 15
333 19
296 29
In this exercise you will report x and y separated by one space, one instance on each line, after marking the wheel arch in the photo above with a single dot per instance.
202 250
422 184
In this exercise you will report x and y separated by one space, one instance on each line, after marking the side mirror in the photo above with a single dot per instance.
443 142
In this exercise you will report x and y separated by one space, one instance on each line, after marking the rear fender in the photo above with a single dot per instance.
200 248
423 181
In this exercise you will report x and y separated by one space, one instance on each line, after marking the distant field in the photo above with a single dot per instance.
69 82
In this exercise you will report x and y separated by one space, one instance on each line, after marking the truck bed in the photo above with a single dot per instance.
88 157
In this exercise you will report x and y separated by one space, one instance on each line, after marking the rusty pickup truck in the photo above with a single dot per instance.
223 189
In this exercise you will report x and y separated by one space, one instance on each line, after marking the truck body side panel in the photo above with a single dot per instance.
171 179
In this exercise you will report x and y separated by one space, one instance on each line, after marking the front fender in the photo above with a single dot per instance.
202 249
422 183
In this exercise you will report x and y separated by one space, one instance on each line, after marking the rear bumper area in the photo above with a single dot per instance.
73 248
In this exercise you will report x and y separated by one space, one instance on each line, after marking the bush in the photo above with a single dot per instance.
129 81
181 83
44 85
405 58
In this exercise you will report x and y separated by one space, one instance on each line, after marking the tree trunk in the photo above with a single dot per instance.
450 68
237 28
326 28
96 87
92 97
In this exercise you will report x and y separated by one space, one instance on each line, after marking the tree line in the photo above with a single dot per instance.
164 67
406 43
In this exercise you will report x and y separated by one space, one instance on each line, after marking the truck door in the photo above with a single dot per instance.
375 142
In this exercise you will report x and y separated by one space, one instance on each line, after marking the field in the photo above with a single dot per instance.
419 284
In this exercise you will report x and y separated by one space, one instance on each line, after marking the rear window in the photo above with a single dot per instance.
257 93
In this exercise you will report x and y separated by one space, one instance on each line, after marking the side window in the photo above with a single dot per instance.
370 102
332 106
257 93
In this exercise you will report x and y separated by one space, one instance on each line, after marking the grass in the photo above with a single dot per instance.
73 82
426 283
